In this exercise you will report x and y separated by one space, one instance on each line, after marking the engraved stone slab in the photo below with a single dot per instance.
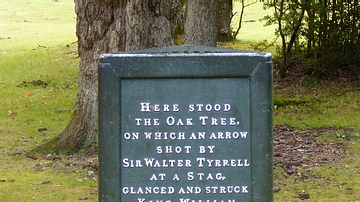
187 124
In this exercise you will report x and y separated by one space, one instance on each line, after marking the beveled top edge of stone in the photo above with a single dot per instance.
186 50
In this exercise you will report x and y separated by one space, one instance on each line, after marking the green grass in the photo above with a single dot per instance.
36 47
36 44
253 35
321 107
252 31
27 24
28 183
335 182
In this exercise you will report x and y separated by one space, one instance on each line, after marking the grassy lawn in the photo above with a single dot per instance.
252 29
38 83
328 112
38 86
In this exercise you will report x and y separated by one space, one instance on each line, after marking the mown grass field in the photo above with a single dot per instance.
38 86
38 83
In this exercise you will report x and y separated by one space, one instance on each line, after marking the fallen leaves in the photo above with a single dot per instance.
42 129
27 94
52 157
298 151
293 148
10 113
304 196
33 83
31 156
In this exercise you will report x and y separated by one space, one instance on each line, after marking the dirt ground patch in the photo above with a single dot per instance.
294 148
301 148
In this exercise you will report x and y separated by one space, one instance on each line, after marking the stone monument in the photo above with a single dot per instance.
185 124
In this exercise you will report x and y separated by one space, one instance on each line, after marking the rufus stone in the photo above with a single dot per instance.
185 124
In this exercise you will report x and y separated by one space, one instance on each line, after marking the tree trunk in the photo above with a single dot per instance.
310 48
279 12
201 18
240 19
295 31
108 26
225 15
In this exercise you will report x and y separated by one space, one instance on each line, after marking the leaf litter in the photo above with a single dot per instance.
294 148
298 151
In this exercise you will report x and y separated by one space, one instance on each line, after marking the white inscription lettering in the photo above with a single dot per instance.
222 162
217 121
148 190
209 107
147 107
171 149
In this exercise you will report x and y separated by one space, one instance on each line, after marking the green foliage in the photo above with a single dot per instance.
179 35
338 29
326 32
179 19
263 45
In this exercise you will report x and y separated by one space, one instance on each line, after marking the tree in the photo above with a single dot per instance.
109 26
225 16
201 17
289 17
323 34
243 6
